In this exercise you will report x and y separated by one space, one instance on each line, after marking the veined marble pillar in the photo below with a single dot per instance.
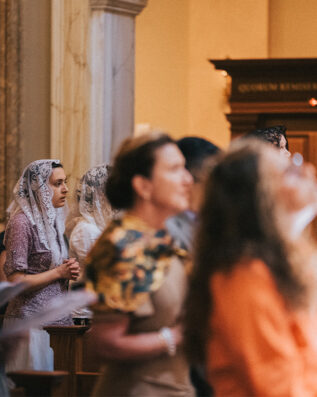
112 28
92 80
70 140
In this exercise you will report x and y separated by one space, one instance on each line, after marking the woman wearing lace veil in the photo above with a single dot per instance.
37 254
94 211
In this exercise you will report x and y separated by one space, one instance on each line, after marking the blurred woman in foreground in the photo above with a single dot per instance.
252 303
140 276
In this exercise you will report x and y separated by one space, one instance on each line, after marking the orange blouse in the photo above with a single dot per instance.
258 346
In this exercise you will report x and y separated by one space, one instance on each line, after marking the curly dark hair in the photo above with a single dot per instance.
136 156
236 222
271 134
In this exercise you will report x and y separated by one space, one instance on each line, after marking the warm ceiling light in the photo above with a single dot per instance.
313 102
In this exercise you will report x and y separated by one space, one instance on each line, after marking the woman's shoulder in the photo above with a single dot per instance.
248 269
249 283
127 263
130 239
19 219
247 277
119 235
18 228
84 229
19 222
105 249
253 269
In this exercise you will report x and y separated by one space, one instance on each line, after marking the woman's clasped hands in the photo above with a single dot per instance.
69 269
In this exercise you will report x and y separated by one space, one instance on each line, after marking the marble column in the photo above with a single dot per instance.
10 99
112 36
70 79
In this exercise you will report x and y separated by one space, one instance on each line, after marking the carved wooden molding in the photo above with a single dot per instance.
272 107
127 7
271 80
269 89
10 99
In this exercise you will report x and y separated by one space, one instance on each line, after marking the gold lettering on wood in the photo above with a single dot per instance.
244 88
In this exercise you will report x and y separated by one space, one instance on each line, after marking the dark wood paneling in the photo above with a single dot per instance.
293 108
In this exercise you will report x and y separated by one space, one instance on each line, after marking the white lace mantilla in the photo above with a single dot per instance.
91 202
33 196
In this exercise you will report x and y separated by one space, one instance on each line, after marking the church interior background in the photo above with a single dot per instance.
78 76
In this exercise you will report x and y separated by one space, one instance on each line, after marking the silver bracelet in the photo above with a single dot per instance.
165 334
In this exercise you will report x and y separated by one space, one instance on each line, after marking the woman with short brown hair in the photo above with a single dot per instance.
139 275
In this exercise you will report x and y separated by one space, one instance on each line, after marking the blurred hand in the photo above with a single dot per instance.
177 332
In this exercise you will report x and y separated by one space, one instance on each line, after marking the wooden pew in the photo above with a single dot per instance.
71 355
38 383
